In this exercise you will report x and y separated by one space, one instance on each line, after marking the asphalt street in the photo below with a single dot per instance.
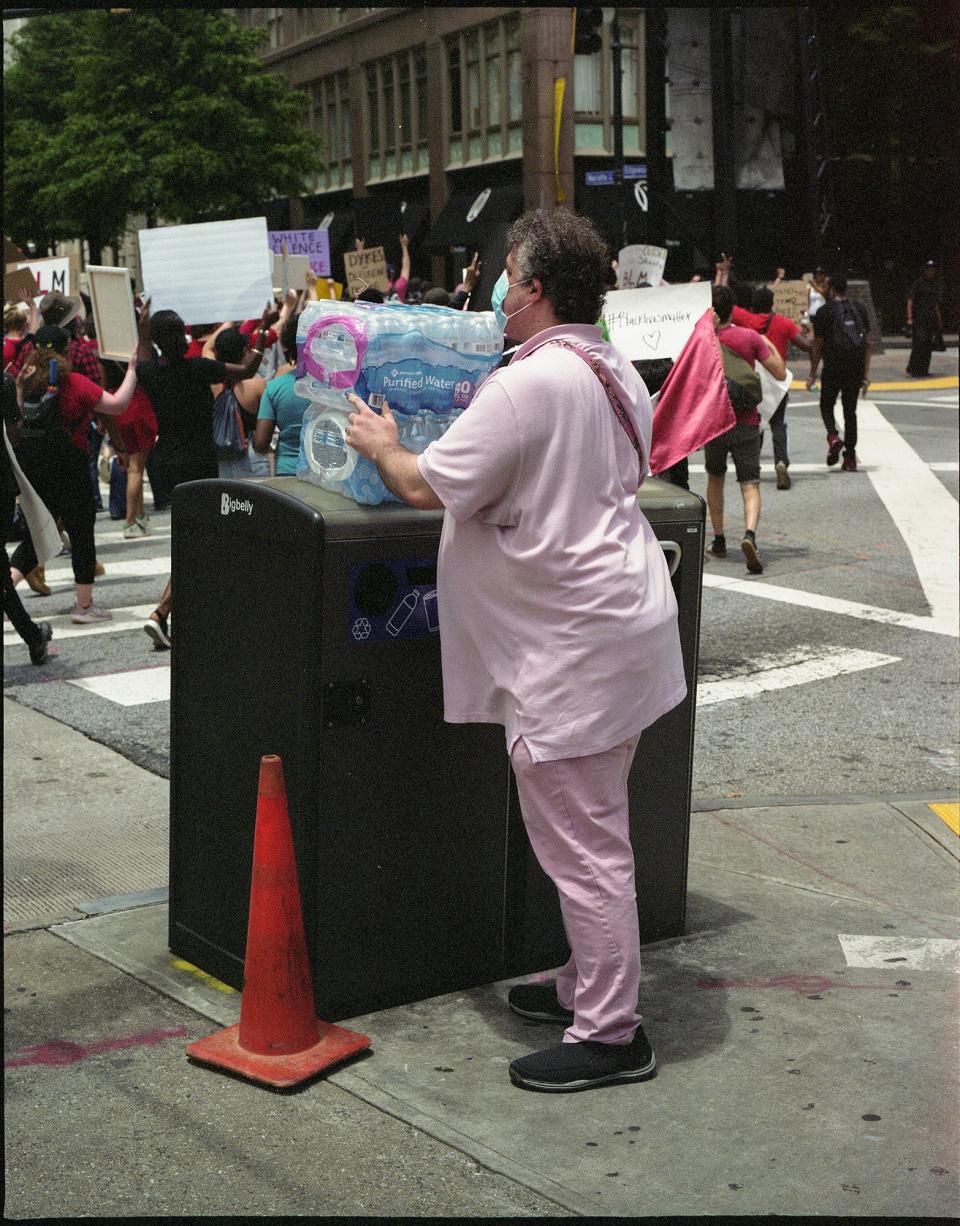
803 690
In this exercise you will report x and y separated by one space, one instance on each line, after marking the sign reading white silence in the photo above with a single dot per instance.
207 272
656 322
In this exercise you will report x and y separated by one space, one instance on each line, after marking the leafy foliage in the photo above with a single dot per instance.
167 112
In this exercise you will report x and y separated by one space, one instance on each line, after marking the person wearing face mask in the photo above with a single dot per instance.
557 618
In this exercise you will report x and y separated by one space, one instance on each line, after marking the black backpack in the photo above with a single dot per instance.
42 422
848 338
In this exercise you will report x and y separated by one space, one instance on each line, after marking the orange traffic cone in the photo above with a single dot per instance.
279 1040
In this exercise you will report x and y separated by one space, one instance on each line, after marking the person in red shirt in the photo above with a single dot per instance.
781 331
56 466
742 441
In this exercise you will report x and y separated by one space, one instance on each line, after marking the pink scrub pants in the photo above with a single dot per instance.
575 812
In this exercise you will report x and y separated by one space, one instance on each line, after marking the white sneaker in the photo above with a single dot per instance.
92 613
143 523
132 532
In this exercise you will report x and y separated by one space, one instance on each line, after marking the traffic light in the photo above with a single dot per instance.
586 39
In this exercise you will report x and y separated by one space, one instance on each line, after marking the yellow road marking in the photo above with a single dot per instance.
180 965
948 813
942 383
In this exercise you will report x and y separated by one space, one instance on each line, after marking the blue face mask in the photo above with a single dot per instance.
497 296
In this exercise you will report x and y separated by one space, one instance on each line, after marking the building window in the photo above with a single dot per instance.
397 115
330 120
275 28
483 88
593 90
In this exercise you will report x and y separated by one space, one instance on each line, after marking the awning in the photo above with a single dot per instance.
467 215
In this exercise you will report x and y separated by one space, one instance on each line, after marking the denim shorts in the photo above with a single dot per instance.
743 443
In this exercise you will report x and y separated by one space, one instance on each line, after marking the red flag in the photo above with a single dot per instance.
693 406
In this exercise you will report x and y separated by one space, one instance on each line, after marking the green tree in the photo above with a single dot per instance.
167 112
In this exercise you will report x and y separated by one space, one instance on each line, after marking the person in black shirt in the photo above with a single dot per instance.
841 336
179 390
923 317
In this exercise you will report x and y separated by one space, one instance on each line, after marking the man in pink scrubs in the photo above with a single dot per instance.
557 618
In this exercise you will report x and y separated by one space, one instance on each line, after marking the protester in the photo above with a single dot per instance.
230 345
781 331
924 320
397 288
841 337
179 390
742 441
281 408
136 429
20 322
36 635
539 480
819 289
56 463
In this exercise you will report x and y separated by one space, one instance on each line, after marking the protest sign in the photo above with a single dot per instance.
19 285
655 322
638 263
290 271
58 274
791 298
11 252
113 315
366 268
209 271
314 244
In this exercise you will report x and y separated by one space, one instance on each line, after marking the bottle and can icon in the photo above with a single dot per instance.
402 613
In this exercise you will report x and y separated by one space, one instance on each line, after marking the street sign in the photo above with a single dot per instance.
600 178
634 170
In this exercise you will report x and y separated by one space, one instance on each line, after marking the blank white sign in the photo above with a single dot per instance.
210 272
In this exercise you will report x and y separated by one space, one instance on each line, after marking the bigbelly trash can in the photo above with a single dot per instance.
305 625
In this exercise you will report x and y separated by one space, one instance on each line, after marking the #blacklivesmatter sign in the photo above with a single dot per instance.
312 243
656 322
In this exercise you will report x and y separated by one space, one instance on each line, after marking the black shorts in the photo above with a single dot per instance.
743 443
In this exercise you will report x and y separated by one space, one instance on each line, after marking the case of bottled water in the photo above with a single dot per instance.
426 362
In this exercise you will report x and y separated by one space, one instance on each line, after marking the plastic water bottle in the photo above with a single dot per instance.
426 362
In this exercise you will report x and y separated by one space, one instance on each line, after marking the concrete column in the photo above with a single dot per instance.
439 188
545 37
358 137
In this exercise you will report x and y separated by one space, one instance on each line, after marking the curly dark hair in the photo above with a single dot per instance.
230 346
568 257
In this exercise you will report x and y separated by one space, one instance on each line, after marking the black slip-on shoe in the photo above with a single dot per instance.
539 1002
156 626
38 652
568 1067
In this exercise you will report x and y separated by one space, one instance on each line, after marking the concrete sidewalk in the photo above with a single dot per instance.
804 1027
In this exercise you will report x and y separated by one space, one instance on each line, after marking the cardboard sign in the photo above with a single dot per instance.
113 315
11 252
638 263
19 285
209 271
655 322
314 244
366 268
290 272
791 298
59 273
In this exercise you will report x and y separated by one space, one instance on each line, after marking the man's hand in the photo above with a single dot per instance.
404 241
781 273
358 243
269 317
810 381
26 373
143 319
368 432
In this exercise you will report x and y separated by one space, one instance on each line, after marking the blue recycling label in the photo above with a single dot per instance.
392 599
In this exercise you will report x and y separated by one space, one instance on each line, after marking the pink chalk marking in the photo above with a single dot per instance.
58 1053
794 983
850 885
